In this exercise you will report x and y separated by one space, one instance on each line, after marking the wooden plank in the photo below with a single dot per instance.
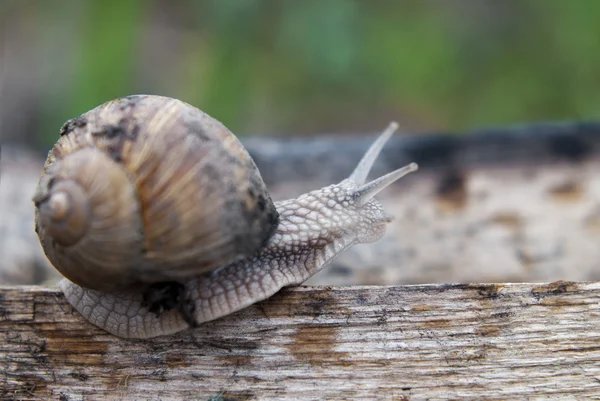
485 341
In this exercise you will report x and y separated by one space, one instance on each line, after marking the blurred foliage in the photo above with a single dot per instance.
314 66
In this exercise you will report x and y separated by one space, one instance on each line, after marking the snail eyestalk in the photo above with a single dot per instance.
364 193
360 173
367 191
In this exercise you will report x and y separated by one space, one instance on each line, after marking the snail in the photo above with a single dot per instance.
159 220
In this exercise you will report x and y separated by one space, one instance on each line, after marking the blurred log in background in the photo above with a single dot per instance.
518 204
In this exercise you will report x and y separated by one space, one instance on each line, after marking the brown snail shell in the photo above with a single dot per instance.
146 189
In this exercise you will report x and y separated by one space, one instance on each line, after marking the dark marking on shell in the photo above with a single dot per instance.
72 124
111 131
261 203
135 131
112 138
196 127
211 178
128 103
44 191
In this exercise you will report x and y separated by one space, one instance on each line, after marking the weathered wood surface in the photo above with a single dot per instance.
492 341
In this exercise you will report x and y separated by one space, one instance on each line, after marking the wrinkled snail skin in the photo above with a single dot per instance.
313 229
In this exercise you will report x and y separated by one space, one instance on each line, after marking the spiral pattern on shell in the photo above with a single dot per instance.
146 189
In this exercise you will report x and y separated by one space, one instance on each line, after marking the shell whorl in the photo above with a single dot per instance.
64 210
85 208
145 189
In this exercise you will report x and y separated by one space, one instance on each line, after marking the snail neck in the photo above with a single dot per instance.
313 229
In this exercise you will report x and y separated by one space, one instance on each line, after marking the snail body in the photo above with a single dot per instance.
159 219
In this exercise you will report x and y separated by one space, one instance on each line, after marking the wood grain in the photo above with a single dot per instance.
484 341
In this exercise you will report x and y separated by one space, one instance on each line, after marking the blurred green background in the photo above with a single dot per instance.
302 67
